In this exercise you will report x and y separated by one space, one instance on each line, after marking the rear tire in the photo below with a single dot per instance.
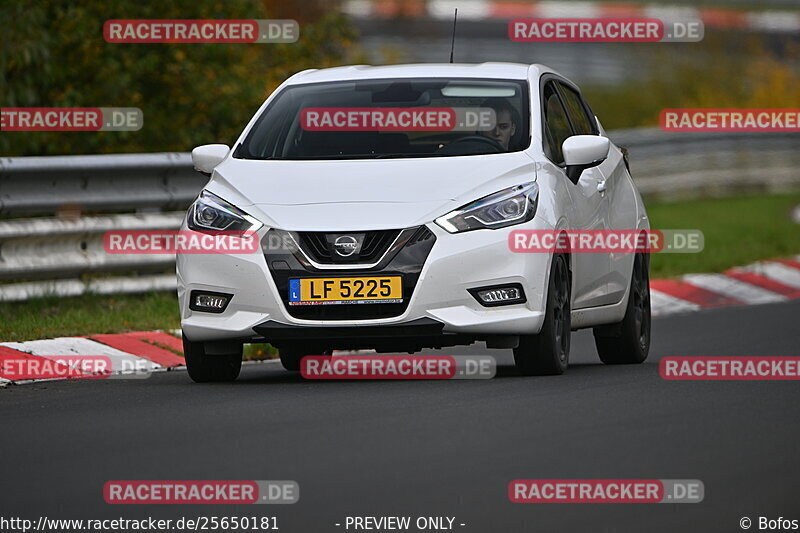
204 368
628 342
292 354
547 353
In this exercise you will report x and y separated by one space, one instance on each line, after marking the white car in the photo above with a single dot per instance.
398 240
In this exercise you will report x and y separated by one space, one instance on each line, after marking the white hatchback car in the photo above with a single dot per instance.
398 240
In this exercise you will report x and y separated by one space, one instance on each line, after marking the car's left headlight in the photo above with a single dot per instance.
211 213
514 205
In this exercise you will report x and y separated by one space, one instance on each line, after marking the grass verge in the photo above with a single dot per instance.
737 231
44 318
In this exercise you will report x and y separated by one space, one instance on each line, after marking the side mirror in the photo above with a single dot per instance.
208 156
582 152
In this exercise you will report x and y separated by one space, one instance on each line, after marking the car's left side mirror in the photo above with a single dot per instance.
582 152
208 156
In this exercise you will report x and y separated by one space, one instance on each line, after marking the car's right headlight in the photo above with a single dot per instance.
211 213
508 207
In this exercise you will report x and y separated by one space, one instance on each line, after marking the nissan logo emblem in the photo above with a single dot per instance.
345 245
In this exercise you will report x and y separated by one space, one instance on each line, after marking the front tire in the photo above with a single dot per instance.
547 353
205 368
628 342
292 354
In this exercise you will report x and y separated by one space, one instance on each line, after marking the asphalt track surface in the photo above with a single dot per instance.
430 448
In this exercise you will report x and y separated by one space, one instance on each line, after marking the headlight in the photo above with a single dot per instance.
212 213
514 205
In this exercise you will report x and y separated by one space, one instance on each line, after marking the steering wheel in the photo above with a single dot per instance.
480 138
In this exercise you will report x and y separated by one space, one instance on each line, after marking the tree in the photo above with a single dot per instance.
53 54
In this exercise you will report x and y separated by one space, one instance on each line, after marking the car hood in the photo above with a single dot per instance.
365 194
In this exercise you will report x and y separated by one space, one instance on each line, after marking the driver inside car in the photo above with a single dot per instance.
504 128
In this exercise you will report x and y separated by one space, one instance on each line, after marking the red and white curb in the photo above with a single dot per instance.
763 282
150 351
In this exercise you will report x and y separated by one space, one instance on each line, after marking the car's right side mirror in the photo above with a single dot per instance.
208 156
582 152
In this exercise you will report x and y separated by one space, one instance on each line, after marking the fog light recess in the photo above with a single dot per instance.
499 295
209 302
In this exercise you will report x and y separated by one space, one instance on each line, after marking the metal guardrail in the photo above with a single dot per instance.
69 202
55 210
101 183
675 166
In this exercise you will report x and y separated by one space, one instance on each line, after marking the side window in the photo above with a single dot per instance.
556 124
581 120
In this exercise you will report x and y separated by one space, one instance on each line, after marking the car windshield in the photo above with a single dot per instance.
391 118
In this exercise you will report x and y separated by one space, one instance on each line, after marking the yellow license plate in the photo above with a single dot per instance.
311 291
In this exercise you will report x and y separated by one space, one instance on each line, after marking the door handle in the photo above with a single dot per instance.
601 187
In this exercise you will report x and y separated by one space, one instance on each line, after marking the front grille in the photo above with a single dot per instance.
406 260
316 246
421 235
376 243
319 246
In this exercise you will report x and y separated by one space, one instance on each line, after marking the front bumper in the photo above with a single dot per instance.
454 264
